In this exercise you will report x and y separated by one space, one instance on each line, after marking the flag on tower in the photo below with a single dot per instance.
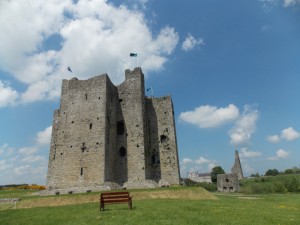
133 55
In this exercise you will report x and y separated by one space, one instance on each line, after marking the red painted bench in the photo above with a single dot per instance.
115 197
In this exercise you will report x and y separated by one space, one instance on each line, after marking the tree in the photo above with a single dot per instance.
293 185
214 173
289 171
254 175
272 172
296 169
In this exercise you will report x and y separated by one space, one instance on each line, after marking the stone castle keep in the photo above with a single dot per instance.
106 136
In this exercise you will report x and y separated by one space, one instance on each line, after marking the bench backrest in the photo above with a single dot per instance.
107 196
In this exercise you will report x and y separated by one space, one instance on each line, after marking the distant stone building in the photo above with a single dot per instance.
200 177
230 182
106 137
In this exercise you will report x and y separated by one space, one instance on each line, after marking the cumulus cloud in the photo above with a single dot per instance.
200 164
210 116
32 159
273 138
190 43
94 36
28 150
44 137
26 164
280 154
185 161
4 165
288 3
210 166
202 160
8 96
244 126
6 150
244 153
288 134
285 3
247 168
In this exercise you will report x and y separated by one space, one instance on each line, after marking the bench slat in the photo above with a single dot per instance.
114 193
116 200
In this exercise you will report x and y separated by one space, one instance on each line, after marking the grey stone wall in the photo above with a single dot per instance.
104 135
237 167
228 182
162 155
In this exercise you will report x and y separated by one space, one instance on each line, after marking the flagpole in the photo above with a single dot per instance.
152 92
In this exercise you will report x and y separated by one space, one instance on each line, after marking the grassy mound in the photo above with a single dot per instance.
184 193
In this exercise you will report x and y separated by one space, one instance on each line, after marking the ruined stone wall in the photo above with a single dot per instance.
237 167
228 182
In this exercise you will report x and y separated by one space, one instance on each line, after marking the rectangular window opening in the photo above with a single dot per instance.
120 127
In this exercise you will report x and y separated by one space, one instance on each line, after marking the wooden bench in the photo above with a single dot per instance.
115 197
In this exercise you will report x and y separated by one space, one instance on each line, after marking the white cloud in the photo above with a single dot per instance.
211 166
95 37
248 169
289 134
210 116
44 137
8 96
185 161
273 138
190 43
27 164
248 154
32 159
280 154
28 150
244 127
202 160
288 3
4 165
6 150
200 164
22 170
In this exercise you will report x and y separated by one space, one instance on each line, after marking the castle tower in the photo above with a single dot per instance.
237 168
107 136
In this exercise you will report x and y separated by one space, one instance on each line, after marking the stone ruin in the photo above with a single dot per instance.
230 182
111 137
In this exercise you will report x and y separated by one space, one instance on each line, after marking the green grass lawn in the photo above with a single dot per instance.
230 209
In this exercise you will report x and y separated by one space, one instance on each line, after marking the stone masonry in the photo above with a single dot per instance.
107 137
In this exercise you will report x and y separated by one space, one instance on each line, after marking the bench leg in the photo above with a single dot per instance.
101 207
130 204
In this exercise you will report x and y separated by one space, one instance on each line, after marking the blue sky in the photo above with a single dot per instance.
231 67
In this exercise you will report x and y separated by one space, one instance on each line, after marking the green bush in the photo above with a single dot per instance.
279 187
292 185
212 187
